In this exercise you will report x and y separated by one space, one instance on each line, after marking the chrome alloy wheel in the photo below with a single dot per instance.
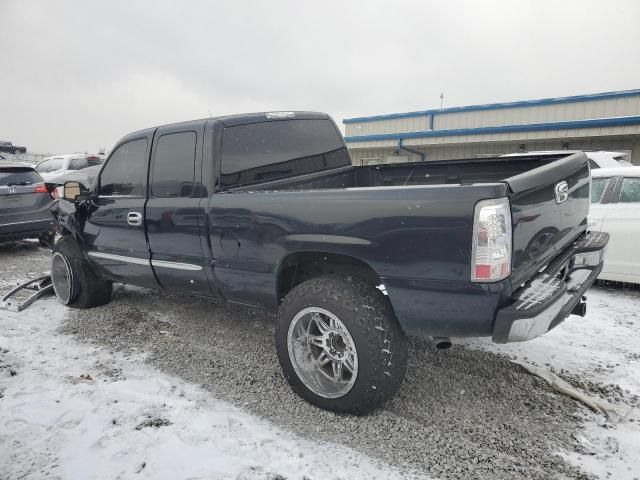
62 278
322 352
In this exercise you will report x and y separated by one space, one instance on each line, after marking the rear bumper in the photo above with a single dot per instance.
554 294
25 229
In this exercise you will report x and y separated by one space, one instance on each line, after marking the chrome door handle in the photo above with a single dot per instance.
134 218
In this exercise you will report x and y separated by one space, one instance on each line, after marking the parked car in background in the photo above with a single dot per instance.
55 166
615 208
602 159
8 147
85 177
24 204
597 158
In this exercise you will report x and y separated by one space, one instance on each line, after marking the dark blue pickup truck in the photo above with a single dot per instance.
267 210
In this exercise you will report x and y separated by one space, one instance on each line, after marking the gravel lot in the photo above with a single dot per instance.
461 413
20 261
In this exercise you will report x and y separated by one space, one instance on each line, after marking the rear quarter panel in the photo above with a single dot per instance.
415 238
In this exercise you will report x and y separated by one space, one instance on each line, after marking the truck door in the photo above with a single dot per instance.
114 232
175 209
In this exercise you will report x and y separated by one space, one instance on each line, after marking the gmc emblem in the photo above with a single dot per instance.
562 192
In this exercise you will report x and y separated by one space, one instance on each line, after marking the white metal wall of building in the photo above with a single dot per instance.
606 121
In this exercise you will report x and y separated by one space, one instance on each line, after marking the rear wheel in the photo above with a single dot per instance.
339 344
74 283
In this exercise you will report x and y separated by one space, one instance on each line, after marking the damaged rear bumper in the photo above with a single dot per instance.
554 294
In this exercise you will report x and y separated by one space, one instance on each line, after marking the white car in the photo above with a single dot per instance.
615 208
52 167
597 158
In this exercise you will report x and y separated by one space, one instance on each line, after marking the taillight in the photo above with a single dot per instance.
491 252
41 189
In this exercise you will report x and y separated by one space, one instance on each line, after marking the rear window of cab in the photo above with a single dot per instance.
279 149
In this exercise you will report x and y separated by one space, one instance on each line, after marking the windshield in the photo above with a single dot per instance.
50 165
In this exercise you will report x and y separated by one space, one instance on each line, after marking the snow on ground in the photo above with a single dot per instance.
604 346
599 350
71 410
75 411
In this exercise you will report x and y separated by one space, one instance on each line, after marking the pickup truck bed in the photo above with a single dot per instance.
267 210
417 228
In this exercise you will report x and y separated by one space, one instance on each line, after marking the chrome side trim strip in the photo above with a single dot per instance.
142 261
120 258
175 265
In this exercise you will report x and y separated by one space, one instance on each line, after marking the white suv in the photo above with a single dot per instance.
597 158
615 209
51 167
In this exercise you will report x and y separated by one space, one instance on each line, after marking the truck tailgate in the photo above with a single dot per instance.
549 211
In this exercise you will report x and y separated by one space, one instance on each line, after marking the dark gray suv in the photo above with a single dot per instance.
24 204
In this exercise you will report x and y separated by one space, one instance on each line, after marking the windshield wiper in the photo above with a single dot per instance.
18 184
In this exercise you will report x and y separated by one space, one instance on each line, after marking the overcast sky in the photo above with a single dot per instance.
78 75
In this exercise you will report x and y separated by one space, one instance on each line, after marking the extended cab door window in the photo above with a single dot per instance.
175 212
174 166
115 231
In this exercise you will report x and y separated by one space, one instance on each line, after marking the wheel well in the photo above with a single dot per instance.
69 244
302 266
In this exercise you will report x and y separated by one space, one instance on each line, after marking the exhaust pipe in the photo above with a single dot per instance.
441 343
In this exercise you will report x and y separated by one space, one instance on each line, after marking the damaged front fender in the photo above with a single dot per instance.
71 216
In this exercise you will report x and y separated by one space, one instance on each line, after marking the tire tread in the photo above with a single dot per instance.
90 290
386 344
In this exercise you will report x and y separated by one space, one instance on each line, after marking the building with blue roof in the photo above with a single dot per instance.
601 121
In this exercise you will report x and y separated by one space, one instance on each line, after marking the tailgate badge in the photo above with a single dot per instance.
562 192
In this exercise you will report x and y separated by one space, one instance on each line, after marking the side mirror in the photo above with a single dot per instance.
71 190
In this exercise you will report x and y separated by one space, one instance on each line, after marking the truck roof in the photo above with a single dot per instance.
244 119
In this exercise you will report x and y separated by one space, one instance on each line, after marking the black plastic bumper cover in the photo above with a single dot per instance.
552 295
